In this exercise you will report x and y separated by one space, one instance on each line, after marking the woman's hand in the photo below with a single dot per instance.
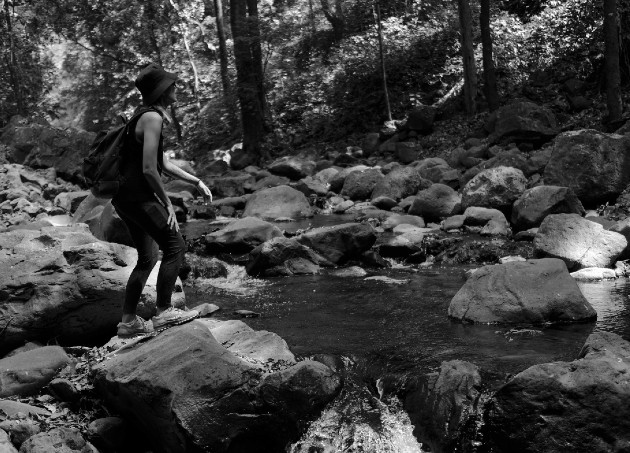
172 218
203 189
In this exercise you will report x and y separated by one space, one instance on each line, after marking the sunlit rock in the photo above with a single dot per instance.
359 185
241 235
536 203
436 202
533 292
340 243
494 188
277 202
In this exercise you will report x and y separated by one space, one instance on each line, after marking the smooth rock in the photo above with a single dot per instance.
495 188
340 243
57 440
536 203
276 202
241 235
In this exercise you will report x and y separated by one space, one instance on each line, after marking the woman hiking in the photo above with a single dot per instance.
145 208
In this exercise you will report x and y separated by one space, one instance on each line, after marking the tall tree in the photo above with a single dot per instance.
468 56
12 62
382 53
613 77
489 74
249 81
335 17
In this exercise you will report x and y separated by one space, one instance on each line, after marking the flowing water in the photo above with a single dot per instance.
392 324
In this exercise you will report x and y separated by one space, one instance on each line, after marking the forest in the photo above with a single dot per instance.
288 75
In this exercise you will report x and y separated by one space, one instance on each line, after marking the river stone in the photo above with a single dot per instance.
580 407
241 235
292 167
533 292
441 403
111 434
521 122
12 408
230 186
481 216
494 188
399 183
403 219
20 429
496 227
26 373
270 181
338 180
282 256
340 243
63 283
325 175
623 227
407 242
595 165
310 187
359 185
57 440
538 202
70 201
578 242
278 202
437 170
436 202
594 273
186 392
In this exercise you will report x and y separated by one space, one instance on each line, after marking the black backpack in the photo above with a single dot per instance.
101 168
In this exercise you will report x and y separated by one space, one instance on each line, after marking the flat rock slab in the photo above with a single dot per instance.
534 292
26 373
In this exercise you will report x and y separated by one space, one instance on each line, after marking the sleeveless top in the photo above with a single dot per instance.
135 187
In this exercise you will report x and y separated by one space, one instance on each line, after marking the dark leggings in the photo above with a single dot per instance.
148 225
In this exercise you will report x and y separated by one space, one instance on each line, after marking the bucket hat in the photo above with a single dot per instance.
153 81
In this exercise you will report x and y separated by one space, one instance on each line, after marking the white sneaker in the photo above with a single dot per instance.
173 316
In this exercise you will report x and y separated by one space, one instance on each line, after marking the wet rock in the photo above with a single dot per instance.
325 175
496 227
201 267
595 165
495 188
532 292
580 406
441 404
241 236
384 203
27 372
283 256
578 242
480 216
309 186
536 203
399 183
292 167
521 122
437 170
623 227
57 440
436 202
594 273
20 429
277 202
454 222
235 405
207 309
359 185
338 180
270 181
347 272
343 206
12 408
405 243
63 282
340 243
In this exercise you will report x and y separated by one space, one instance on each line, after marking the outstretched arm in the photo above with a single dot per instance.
173 170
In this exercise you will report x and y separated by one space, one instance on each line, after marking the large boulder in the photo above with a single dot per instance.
282 256
278 202
442 403
581 406
28 372
337 180
476 216
494 188
340 243
436 202
538 202
359 185
186 392
231 185
40 145
241 236
533 292
292 167
63 283
522 122
400 183
578 242
595 165
437 170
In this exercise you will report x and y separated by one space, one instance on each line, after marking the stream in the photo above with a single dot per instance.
389 325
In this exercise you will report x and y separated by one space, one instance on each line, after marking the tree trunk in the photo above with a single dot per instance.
13 65
613 77
382 53
228 95
468 57
256 49
335 18
489 74
248 87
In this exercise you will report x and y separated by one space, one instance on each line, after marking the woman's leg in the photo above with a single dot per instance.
151 219
147 258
